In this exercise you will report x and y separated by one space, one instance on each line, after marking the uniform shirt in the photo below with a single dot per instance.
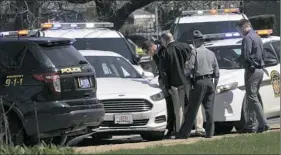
252 50
206 63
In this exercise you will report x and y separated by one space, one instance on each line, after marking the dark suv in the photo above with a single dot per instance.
47 79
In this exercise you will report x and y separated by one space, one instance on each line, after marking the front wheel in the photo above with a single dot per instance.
223 127
153 136
240 125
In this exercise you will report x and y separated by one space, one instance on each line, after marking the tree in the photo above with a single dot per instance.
107 10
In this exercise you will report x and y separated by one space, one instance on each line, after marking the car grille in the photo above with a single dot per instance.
135 123
123 105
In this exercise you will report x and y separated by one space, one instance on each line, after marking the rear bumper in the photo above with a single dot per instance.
70 120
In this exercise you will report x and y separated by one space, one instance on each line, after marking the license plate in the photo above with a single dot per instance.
123 119
84 83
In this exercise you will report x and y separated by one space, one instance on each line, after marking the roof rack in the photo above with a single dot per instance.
22 33
64 26
210 12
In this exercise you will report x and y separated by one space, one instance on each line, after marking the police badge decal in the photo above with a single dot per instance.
275 81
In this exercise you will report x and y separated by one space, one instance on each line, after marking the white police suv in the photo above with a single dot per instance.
132 105
206 21
229 100
94 36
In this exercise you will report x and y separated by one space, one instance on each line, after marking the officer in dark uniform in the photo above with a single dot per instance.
252 60
205 79
156 51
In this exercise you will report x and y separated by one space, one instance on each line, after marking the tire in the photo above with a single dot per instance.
240 125
152 136
223 127
16 131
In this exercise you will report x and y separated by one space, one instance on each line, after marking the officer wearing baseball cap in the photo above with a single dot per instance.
205 78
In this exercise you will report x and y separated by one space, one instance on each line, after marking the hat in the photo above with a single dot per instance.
197 34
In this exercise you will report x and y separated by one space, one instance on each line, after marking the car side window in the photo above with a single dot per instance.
29 62
11 55
269 56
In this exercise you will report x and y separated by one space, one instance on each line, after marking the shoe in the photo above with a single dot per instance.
170 135
263 129
200 133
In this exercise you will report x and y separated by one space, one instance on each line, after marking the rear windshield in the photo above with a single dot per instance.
62 56
117 45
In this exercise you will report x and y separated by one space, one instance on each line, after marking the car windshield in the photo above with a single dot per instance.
109 66
117 45
226 56
62 56
184 31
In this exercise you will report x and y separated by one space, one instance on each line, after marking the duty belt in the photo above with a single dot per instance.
203 77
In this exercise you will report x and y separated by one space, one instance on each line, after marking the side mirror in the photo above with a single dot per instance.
148 75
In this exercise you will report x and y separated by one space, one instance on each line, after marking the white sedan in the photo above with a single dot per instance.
132 105
229 101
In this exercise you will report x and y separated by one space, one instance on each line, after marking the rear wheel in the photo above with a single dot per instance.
12 130
152 136
223 127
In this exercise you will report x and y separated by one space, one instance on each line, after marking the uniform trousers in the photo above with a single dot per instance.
203 93
256 118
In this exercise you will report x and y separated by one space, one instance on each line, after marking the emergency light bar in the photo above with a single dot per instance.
18 33
211 12
76 25
222 35
265 32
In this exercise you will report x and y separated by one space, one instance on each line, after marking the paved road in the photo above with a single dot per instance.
275 123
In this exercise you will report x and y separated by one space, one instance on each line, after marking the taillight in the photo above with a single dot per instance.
52 78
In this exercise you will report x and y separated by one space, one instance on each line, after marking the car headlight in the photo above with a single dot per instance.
226 87
157 97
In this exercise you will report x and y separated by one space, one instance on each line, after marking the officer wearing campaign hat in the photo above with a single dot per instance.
205 78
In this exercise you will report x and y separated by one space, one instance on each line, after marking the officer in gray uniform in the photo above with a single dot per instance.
205 79
252 60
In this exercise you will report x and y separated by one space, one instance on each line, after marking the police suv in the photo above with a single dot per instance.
206 21
48 88
230 110
95 36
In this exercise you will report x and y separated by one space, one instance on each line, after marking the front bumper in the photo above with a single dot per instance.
70 120
152 120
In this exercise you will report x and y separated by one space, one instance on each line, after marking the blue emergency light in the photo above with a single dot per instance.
222 35
210 12
55 26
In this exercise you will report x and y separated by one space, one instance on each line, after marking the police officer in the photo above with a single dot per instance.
156 52
204 86
252 61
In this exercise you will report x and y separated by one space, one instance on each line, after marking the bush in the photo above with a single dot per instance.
37 149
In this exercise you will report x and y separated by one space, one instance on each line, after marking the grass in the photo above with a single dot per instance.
38 149
264 143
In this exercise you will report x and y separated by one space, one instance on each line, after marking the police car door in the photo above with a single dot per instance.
270 87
